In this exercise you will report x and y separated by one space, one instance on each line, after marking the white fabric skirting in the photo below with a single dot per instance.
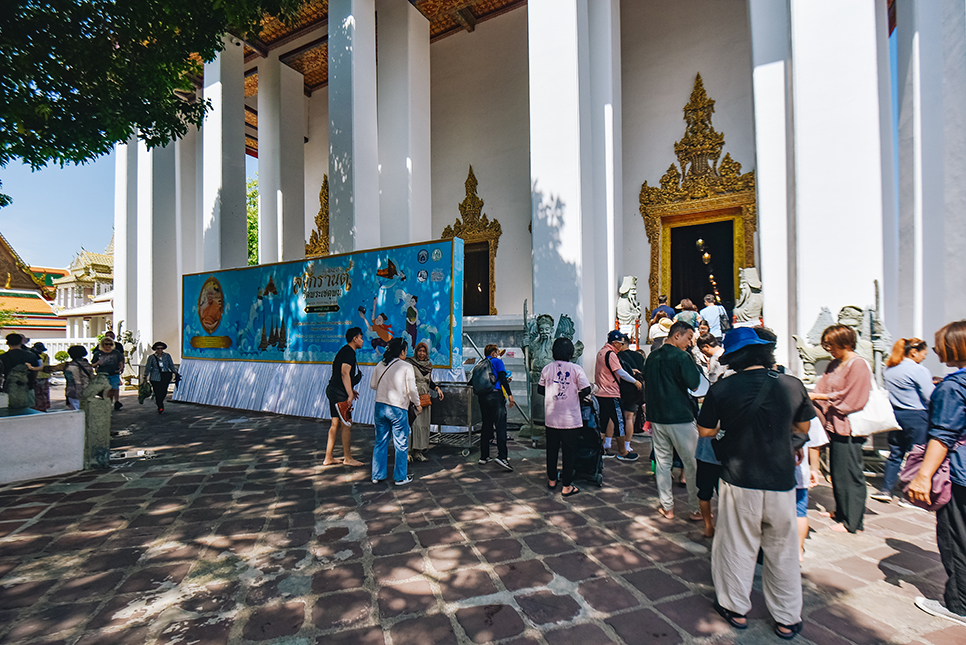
294 389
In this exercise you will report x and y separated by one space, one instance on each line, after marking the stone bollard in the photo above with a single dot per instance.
97 423
19 394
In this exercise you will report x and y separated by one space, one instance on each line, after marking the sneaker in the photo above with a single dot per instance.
881 497
608 454
631 456
345 412
906 504
117 405
936 608
408 479
376 481
484 461
504 463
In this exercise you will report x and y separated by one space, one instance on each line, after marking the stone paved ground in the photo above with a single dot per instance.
233 533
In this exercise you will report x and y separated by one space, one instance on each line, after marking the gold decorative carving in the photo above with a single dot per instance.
701 191
474 226
318 244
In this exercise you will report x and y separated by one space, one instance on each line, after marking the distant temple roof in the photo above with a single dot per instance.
17 274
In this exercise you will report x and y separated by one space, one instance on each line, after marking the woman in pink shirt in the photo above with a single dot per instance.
842 390
563 384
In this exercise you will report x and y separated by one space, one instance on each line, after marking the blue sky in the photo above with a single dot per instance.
57 211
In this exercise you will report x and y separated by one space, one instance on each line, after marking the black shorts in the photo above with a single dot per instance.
610 409
334 397
707 480
628 405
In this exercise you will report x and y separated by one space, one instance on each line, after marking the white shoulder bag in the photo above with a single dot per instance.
876 416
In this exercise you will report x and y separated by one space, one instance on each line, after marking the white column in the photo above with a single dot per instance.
404 148
188 232
890 215
225 236
269 157
921 208
353 142
125 239
837 155
954 161
575 162
771 71
159 313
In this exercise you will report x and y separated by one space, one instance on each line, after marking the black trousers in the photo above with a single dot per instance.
558 438
848 481
493 409
951 536
161 389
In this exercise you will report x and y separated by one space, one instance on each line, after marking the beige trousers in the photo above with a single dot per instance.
749 519
665 439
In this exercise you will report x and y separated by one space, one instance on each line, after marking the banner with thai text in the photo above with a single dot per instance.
299 312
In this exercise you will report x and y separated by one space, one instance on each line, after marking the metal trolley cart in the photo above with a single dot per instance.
459 408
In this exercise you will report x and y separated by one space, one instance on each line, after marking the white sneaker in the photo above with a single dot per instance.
936 608
484 461
408 479
504 463
881 497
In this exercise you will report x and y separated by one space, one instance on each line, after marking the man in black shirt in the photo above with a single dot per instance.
341 395
17 355
764 417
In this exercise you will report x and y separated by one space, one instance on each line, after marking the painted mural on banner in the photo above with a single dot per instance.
298 312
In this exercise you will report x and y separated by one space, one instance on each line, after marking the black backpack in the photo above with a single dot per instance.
483 378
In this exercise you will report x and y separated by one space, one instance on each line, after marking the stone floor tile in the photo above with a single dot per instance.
434 630
952 635
393 543
548 543
435 537
338 578
574 566
397 567
203 631
578 635
644 626
851 623
487 530
364 636
23 546
488 623
105 560
523 523
466 583
500 550
93 586
275 621
661 550
150 578
695 615
697 570
6 528
832 581
566 520
619 557
50 621
654 584
216 596
524 574
415 596
24 594
447 558
605 514
547 607
342 609
607 595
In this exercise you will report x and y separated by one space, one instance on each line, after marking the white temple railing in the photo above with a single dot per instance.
55 345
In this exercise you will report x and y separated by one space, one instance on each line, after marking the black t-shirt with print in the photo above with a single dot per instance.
760 454
336 390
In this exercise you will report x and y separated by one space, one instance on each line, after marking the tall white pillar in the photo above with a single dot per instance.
281 162
353 142
890 206
575 161
403 115
125 238
187 215
921 203
954 159
225 234
837 155
159 316
771 82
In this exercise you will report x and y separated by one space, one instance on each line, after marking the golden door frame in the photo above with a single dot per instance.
703 191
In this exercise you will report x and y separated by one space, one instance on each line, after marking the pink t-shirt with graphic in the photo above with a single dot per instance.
563 381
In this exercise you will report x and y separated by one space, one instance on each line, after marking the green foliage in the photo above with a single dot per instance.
80 76
8 318
61 356
251 211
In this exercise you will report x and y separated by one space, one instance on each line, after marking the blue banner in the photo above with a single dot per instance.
299 312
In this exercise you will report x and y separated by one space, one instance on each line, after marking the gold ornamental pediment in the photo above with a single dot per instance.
318 244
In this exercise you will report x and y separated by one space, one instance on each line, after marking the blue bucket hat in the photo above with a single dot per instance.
615 335
741 337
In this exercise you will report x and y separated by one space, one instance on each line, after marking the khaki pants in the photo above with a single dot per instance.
666 438
749 519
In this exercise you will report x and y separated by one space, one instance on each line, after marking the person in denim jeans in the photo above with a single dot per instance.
493 410
394 381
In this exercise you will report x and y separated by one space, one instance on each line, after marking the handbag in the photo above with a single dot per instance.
876 416
724 321
425 400
941 490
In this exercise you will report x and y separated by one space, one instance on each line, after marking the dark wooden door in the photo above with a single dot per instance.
476 279
690 275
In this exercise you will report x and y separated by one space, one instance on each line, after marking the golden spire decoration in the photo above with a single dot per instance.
318 244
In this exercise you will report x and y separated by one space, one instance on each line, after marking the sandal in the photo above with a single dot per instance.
732 618
667 514
793 630
573 492
552 486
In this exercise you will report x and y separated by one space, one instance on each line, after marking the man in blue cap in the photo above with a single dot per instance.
761 419
608 373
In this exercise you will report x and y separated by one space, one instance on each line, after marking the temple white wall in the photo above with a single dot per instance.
663 46
954 158
480 116
316 153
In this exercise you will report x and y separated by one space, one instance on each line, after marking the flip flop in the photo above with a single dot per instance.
732 617
573 492
552 486
666 514
793 630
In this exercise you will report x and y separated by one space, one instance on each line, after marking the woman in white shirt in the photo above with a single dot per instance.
395 385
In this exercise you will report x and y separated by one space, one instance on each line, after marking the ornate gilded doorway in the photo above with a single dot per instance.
703 192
